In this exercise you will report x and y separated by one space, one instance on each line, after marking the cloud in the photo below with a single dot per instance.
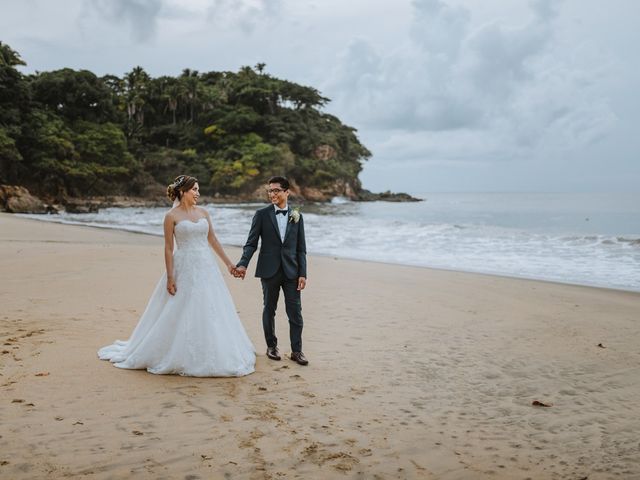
244 14
491 92
439 28
140 16
545 9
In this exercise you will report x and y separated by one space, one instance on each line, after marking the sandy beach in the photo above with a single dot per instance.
414 373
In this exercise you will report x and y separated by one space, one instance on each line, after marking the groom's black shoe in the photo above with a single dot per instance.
273 354
299 358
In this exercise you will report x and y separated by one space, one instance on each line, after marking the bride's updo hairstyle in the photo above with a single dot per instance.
182 183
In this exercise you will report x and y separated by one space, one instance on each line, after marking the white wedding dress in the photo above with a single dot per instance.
196 332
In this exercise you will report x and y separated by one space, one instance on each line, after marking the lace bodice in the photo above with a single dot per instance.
191 235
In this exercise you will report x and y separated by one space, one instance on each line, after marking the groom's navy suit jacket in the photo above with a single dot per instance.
290 254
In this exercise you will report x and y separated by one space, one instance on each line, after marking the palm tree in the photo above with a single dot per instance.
191 84
171 92
9 57
136 86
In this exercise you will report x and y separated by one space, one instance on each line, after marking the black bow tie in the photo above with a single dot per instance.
283 212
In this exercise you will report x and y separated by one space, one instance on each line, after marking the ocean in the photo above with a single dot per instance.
578 238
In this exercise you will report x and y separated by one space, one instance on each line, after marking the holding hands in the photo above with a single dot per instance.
237 272
241 272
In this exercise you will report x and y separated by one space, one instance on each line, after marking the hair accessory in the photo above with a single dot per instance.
179 181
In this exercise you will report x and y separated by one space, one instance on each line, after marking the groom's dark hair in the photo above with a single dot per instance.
284 183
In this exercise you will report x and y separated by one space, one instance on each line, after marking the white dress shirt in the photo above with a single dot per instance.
282 220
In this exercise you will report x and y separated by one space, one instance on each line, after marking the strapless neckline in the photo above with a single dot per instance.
191 221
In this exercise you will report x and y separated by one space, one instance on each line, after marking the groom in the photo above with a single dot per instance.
282 264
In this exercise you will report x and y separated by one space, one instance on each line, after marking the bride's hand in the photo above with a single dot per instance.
171 286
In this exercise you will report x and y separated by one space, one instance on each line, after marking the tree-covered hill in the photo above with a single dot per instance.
70 133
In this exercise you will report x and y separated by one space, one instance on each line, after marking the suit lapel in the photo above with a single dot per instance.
289 223
272 216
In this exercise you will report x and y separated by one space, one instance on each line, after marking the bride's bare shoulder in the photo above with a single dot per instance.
203 212
170 215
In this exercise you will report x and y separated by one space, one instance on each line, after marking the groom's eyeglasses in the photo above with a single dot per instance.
274 190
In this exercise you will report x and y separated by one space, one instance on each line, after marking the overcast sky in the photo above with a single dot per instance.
449 95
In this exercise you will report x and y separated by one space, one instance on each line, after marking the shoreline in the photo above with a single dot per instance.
414 373
472 272
28 203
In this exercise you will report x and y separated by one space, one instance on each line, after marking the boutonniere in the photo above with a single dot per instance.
294 216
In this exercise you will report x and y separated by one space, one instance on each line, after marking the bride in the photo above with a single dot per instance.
190 326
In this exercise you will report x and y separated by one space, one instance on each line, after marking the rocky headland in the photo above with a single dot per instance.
17 199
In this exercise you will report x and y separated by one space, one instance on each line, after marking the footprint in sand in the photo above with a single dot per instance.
319 455
358 391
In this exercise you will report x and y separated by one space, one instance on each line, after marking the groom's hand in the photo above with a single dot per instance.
242 271
302 282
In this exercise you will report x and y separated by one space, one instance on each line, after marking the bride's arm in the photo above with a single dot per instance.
168 253
215 244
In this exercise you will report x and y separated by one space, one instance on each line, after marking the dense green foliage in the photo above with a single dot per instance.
70 132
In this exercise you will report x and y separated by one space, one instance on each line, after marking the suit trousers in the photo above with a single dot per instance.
271 292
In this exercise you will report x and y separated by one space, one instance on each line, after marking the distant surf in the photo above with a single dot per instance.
570 238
